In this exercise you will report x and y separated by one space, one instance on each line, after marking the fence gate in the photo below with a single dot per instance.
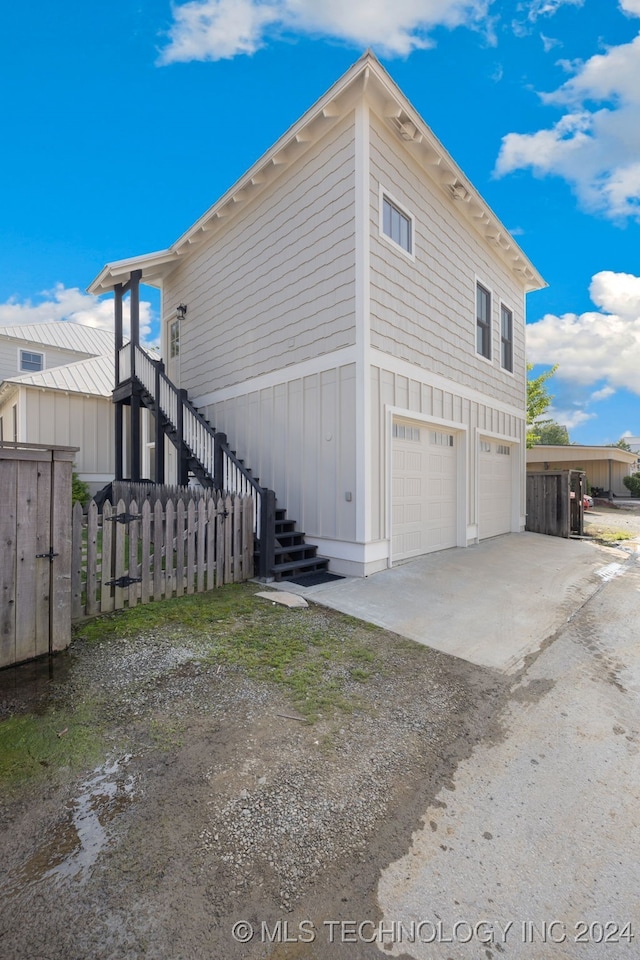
35 550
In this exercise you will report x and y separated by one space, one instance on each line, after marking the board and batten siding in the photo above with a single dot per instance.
423 311
299 438
61 419
275 286
415 395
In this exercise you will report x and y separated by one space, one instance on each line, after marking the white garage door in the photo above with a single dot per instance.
495 488
423 494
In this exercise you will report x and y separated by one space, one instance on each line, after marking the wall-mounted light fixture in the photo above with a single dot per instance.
181 310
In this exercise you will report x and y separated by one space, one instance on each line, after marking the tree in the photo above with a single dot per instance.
553 433
632 483
622 443
538 400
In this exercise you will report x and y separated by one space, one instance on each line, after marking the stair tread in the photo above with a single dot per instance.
295 548
319 563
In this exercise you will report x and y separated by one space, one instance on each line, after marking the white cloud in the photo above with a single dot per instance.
70 303
603 394
596 144
595 346
569 418
547 8
550 42
221 29
631 7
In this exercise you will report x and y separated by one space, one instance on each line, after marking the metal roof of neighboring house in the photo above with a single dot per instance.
63 334
366 77
94 376
575 452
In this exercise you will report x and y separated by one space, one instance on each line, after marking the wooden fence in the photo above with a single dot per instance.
554 502
123 557
128 490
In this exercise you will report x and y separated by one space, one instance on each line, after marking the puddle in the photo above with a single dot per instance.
30 686
75 842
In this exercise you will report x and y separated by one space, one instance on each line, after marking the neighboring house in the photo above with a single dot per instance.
351 315
605 467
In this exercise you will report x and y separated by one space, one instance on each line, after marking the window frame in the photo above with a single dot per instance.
384 194
504 341
487 327
32 353
174 341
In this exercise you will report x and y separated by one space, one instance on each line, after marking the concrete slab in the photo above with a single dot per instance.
492 604
284 598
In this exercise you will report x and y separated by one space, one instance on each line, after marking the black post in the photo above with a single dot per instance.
183 467
159 436
267 534
119 440
219 441
118 435
134 459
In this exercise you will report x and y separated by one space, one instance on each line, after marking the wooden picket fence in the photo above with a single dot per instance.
123 557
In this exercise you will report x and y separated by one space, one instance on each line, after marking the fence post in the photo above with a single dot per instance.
219 440
267 534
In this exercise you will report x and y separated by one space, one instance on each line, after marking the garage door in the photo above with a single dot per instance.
423 495
495 488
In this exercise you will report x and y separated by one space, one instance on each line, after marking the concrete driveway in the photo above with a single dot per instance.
492 604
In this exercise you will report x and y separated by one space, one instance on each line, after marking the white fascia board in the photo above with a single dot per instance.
119 271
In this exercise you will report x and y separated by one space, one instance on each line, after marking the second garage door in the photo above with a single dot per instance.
424 483
495 488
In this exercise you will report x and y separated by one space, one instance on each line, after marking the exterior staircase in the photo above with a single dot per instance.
203 452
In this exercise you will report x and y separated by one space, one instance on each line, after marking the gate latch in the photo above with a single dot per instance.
48 556
123 581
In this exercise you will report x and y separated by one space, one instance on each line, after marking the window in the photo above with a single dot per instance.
483 321
31 362
485 446
503 449
506 326
397 225
400 432
174 338
442 439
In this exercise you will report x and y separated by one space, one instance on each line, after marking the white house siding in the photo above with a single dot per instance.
298 437
412 392
275 286
424 311
60 419
10 356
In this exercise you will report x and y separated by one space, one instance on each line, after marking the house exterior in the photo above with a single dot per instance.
351 315
605 467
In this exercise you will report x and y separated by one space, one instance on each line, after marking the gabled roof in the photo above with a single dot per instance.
366 77
62 334
94 377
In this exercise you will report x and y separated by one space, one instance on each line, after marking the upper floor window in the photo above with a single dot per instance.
397 225
483 321
506 324
31 362
174 338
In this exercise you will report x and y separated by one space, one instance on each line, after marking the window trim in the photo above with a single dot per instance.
35 353
503 306
384 194
484 286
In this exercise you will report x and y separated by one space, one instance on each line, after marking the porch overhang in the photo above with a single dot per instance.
153 267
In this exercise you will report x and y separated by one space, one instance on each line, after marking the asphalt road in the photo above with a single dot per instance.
533 851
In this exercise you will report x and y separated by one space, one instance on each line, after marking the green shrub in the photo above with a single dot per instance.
632 483
79 490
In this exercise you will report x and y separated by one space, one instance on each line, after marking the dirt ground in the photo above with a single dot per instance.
210 809
617 517
211 801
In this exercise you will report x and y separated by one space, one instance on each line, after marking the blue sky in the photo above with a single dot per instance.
123 122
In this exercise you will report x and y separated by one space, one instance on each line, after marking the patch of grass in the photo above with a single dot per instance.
31 744
607 535
315 655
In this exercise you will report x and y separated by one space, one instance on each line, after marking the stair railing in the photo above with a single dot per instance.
206 445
